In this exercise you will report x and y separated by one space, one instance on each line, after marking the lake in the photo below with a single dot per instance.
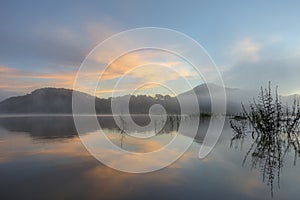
43 158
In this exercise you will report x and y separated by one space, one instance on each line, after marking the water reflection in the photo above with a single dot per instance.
269 148
41 127
58 127
39 166
40 153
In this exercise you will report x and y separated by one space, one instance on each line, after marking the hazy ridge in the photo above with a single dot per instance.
59 101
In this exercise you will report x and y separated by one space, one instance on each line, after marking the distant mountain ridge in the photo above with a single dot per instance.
59 101
44 100
234 97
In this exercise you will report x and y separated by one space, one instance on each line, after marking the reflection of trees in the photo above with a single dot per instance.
161 125
275 131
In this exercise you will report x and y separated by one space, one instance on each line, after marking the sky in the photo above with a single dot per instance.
43 43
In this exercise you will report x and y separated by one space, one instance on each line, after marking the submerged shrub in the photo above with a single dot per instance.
274 129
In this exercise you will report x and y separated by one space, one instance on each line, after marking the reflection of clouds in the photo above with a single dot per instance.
98 180
106 152
124 184
249 183
19 145
133 144
4 159
62 168
243 181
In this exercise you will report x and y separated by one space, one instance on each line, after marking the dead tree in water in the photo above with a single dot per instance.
274 129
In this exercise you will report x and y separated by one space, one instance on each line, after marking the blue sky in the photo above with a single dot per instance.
43 43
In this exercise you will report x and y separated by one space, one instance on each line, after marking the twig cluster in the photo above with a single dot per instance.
274 129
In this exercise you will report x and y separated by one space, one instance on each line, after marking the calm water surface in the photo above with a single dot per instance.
43 158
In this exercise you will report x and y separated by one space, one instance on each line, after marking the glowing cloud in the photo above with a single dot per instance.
246 50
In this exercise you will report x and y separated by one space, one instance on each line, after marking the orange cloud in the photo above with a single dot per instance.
4 70
246 50
26 81
128 63
21 80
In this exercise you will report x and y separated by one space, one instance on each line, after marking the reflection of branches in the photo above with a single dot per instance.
239 127
174 121
160 126
275 131
171 123
122 130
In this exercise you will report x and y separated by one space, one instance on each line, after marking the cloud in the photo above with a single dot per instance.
135 69
23 81
281 72
136 60
53 54
246 50
4 69
41 45
99 31
55 45
50 56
